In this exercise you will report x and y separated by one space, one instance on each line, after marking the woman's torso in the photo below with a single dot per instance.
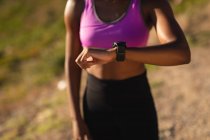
107 14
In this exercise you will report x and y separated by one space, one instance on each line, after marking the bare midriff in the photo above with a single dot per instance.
117 70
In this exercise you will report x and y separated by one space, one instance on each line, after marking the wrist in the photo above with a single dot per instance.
112 53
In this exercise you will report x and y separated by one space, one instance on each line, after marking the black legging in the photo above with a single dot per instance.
120 109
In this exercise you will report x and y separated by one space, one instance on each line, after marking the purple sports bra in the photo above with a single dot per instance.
130 28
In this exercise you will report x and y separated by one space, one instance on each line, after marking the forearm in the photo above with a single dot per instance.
73 78
164 55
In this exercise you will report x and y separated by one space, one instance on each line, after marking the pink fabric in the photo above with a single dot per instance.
130 28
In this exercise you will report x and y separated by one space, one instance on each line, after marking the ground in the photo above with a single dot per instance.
182 96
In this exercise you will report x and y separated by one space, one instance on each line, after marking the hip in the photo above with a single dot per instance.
130 93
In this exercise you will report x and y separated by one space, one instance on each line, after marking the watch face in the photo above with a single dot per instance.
121 49
121 43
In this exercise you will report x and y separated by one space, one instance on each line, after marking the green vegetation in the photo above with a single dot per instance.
32 41
197 28
188 5
31 58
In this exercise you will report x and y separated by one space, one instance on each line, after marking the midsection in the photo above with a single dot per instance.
117 70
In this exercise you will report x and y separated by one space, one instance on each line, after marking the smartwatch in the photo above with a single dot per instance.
120 51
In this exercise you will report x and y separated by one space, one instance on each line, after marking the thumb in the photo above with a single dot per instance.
90 58
112 49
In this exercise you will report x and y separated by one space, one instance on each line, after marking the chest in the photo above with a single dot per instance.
111 10
101 28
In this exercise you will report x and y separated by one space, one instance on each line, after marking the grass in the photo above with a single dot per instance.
187 5
25 41
199 40
32 56
196 31
40 118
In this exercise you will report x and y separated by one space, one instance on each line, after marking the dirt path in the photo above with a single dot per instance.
182 97
181 94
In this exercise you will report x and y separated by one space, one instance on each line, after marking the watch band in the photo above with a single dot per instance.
120 52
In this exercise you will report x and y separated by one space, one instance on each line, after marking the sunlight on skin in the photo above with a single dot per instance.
90 58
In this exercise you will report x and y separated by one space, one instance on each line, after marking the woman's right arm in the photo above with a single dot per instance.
73 48
72 16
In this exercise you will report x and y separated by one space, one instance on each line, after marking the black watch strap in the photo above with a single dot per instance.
120 52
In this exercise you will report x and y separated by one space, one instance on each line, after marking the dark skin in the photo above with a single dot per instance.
172 50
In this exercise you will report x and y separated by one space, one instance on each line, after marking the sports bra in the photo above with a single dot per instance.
130 28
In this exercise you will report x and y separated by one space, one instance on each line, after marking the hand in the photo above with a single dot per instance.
80 130
89 57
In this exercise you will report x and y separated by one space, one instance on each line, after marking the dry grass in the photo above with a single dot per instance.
181 93
182 99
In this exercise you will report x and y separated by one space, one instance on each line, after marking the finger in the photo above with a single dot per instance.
83 66
84 56
112 49
87 137
90 58
80 65
98 61
86 64
82 138
78 57
79 62
86 59
89 64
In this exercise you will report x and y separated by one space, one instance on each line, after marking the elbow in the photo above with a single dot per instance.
186 60
183 53
185 57
181 60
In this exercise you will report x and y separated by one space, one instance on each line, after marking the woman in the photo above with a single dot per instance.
117 103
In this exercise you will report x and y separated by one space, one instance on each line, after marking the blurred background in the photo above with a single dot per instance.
33 100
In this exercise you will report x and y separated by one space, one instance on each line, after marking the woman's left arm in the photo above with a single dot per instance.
173 48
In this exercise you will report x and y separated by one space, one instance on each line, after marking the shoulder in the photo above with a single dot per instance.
73 12
153 5
74 8
155 9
